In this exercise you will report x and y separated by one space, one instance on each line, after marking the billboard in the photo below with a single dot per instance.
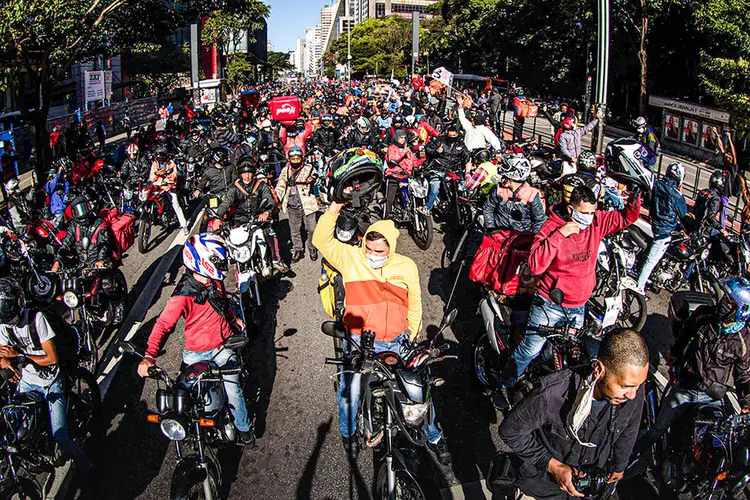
94 86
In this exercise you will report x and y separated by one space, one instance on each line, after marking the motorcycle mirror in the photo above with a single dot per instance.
334 329
126 347
448 319
716 391
557 296
85 243
236 342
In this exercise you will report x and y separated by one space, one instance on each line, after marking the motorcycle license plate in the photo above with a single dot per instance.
614 308
213 202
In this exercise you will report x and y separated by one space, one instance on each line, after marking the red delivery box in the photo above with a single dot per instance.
285 109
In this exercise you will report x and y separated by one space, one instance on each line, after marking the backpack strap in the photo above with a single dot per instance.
97 231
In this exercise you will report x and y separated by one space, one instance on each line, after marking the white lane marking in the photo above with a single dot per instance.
141 306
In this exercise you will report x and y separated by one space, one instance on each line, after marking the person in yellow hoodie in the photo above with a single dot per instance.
382 296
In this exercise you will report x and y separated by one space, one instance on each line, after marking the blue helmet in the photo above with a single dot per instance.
734 305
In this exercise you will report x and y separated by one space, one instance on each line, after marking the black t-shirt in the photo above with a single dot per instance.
731 174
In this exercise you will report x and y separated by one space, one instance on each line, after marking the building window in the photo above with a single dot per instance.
407 9
380 10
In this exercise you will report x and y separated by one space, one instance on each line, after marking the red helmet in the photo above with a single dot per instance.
98 165
567 123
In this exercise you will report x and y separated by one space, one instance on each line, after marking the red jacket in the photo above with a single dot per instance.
205 329
570 263
404 158
298 140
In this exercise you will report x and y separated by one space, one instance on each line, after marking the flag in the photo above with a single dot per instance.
444 76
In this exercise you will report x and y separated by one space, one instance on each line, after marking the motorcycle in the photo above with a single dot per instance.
91 296
249 249
615 298
192 410
453 203
155 209
28 446
395 403
566 345
30 265
408 208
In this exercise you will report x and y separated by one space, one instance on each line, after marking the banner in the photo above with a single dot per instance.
444 76
94 85
108 85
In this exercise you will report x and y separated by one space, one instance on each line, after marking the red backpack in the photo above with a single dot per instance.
121 228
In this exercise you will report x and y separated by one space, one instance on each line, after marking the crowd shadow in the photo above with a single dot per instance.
305 483
657 333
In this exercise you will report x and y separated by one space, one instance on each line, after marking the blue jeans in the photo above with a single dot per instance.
542 313
54 395
656 251
724 211
434 190
232 384
677 402
350 388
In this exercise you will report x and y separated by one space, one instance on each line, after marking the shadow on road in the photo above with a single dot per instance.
304 486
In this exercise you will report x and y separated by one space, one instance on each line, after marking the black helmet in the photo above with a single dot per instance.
247 164
220 155
481 156
12 301
81 208
299 123
398 119
347 228
161 152
716 181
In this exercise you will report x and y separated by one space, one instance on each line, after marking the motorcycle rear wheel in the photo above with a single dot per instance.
407 487
487 364
630 319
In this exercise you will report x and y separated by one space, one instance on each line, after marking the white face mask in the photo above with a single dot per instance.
375 261
583 220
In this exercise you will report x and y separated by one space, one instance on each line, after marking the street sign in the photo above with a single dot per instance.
94 85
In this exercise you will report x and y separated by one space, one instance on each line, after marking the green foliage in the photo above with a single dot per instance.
383 44
240 71
725 58
229 23
279 61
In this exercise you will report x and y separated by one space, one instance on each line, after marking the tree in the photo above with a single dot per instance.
725 57
240 71
381 44
279 61
232 19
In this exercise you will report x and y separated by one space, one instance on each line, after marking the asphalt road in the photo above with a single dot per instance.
299 453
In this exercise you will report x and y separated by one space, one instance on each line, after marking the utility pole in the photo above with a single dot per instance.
414 39
589 78
348 52
602 69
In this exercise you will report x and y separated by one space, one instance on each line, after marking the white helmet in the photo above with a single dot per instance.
676 171
515 167
640 124
363 123
206 254
132 149
265 123
11 186
410 120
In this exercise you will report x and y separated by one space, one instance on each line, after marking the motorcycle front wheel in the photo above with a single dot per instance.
423 236
84 405
407 487
144 233
42 290
22 489
634 310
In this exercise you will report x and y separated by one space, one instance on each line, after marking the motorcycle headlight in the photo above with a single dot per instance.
71 299
127 194
241 254
173 429
414 413
143 195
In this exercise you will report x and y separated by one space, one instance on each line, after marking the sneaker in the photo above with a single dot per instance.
247 438
297 256
351 445
500 400
313 255
440 449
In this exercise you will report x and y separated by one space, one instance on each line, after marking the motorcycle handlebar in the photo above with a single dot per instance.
230 371
334 361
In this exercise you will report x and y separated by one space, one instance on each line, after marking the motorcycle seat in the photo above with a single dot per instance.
639 236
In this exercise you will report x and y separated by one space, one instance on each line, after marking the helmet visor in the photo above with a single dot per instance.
79 210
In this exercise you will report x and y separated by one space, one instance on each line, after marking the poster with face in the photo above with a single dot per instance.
672 127
690 132
708 139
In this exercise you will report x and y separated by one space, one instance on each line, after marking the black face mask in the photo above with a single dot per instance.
450 140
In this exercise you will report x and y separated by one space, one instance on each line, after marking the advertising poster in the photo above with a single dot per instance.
690 132
94 85
672 127
708 139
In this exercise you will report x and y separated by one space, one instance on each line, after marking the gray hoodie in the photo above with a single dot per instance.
570 140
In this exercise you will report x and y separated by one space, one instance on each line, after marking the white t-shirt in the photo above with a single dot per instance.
28 341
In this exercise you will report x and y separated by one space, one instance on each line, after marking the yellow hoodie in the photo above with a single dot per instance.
386 301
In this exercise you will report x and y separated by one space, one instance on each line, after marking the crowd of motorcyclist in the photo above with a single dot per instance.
249 169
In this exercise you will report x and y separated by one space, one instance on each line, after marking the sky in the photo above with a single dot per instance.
288 21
